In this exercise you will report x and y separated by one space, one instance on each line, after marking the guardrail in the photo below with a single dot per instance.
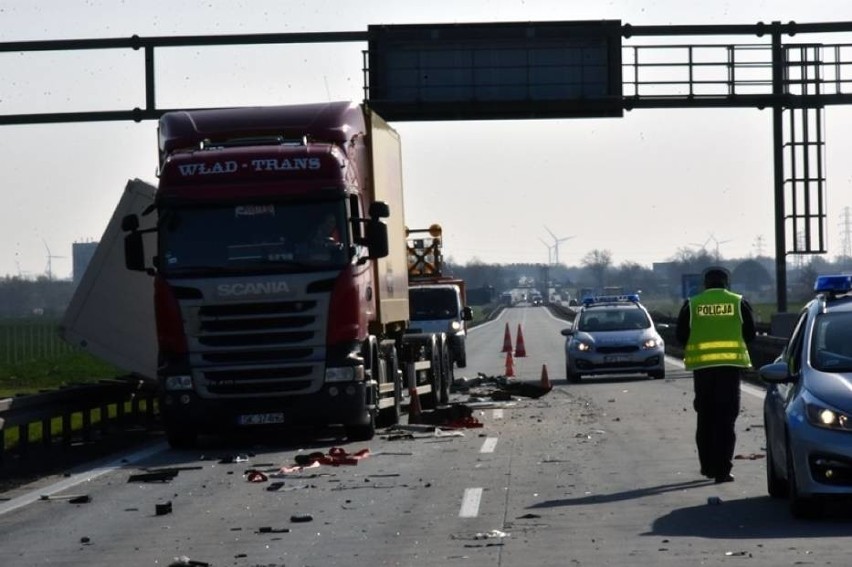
101 405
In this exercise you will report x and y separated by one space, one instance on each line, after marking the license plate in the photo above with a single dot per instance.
615 358
261 418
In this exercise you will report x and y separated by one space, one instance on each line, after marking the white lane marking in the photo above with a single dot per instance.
489 445
470 503
80 478
498 413
746 388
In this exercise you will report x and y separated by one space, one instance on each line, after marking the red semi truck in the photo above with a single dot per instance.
276 244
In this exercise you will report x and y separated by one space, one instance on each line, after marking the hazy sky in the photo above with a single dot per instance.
642 186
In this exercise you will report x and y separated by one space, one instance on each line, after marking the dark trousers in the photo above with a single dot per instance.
717 403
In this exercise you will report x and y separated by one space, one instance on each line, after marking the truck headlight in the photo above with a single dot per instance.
455 326
344 373
179 382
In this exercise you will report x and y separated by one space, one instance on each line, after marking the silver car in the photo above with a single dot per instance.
613 335
808 405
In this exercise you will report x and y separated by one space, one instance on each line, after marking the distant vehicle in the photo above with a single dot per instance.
807 410
437 302
507 299
536 300
613 335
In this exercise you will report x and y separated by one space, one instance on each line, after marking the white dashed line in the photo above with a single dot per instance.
489 445
470 503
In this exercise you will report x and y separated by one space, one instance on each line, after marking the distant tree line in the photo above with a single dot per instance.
752 276
21 297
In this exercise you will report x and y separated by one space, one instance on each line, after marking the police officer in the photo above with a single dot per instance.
714 326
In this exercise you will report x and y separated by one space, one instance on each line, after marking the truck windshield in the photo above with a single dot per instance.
252 237
426 304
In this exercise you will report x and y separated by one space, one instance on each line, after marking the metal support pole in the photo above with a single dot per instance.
778 156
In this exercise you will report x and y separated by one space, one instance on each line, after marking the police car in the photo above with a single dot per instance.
808 405
613 334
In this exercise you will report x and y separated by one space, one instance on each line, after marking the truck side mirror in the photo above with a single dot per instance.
134 252
379 210
377 239
467 314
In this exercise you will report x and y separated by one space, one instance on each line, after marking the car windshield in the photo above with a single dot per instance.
613 319
832 342
439 303
252 237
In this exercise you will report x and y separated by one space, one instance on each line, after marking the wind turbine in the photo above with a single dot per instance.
556 242
50 258
716 241
549 248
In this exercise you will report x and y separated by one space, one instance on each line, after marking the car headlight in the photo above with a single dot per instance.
180 382
651 343
582 346
820 415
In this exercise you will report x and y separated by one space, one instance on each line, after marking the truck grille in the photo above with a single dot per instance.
257 349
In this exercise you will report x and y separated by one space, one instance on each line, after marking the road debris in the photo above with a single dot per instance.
714 501
335 457
163 509
255 476
750 457
68 497
301 518
271 530
184 561
500 388
158 476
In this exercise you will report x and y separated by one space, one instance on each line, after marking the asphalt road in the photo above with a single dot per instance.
598 473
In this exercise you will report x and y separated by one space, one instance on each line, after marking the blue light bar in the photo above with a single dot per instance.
833 284
629 298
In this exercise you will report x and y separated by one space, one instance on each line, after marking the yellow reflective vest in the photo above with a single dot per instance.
715 331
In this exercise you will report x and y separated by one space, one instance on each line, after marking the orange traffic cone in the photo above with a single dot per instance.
520 349
510 365
414 409
507 340
545 380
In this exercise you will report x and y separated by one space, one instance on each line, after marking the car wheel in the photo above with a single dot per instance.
657 374
775 485
800 506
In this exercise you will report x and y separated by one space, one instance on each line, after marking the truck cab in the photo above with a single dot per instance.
439 308
437 302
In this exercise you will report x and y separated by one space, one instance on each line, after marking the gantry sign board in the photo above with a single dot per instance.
495 70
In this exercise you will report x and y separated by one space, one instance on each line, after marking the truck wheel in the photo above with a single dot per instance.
461 358
182 438
362 432
390 416
446 374
430 400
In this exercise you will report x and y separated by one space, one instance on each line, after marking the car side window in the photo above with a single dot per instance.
793 351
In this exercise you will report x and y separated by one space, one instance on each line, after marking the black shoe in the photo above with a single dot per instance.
724 478
705 473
